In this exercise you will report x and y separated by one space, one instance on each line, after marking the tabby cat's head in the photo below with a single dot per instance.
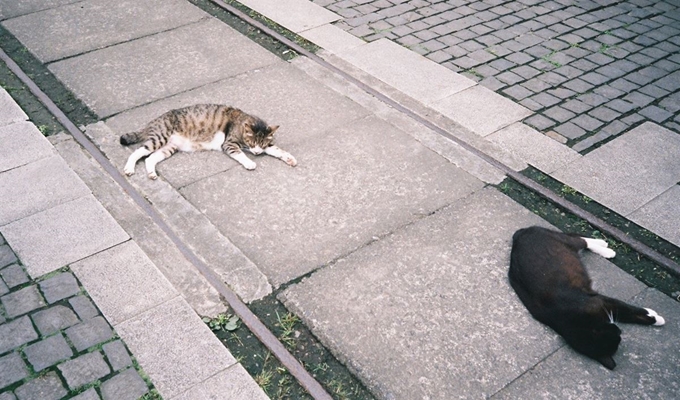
599 342
257 135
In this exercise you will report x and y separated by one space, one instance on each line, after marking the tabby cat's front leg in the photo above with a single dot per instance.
235 152
281 154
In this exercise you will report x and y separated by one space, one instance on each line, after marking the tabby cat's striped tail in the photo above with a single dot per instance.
132 137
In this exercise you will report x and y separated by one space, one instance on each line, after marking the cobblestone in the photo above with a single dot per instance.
59 287
89 333
16 333
84 369
83 307
7 256
127 385
22 301
117 355
12 369
48 352
47 387
54 319
602 51
13 275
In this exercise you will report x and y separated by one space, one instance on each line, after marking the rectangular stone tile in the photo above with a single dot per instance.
295 15
13 8
407 71
170 62
36 187
628 172
22 143
661 215
481 110
232 383
88 25
534 147
331 38
174 347
351 184
123 282
428 311
51 239
10 112
647 362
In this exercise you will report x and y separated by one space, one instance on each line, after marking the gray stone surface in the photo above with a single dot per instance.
428 311
85 369
22 143
89 394
646 364
123 282
127 385
414 75
16 333
661 215
89 333
83 307
61 235
12 369
332 38
7 396
176 349
48 352
59 287
93 24
13 8
7 256
295 15
370 179
233 383
36 187
54 319
46 387
117 355
22 301
13 275
171 62
11 112
629 171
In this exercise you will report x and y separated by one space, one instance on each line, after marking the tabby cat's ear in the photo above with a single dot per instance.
272 129
607 361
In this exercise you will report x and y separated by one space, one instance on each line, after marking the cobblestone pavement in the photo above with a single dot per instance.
590 70
55 344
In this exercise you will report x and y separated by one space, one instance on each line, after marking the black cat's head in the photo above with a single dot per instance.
599 342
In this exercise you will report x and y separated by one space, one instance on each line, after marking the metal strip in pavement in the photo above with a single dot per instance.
311 385
593 220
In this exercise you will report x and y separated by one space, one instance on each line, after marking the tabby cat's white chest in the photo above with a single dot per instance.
188 145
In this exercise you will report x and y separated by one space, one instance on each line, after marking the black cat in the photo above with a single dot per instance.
549 278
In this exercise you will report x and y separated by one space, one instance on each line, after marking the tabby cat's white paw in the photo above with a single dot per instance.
153 175
249 165
290 161
659 319
606 252
129 171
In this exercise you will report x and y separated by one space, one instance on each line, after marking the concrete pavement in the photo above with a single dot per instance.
400 241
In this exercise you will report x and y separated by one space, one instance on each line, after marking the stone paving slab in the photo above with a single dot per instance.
171 62
232 383
36 187
88 25
481 110
63 234
428 312
295 15
176 348
123 282
535 148
332 38
22 143
13 8
629 171
11 112
661 215
647 362
407 71
369 179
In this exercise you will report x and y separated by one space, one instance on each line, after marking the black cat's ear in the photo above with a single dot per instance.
607 361
272 129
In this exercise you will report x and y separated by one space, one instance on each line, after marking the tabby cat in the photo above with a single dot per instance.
203 127
549 278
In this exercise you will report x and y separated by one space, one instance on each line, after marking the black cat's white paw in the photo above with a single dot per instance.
659 319
599 246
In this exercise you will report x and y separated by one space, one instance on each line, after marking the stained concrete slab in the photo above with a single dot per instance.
232 383
646 368
123 282
13 8
294 15
36 187
51 239
481 110
628 172
352 184
661 215
534 147
332 38
175 347
11 112
22 143
85 26
171 62
409 72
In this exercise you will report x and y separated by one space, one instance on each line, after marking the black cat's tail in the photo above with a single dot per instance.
132 137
